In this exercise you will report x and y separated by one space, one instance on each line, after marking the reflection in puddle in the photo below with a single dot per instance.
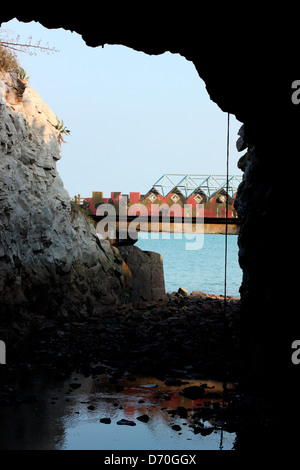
83 413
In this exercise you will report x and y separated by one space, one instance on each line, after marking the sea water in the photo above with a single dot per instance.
196 261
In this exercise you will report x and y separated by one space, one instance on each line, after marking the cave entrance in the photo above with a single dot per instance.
134 117
124 137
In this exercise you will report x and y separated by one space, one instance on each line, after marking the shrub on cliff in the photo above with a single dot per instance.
8 61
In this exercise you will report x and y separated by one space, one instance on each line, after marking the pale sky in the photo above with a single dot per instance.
132 116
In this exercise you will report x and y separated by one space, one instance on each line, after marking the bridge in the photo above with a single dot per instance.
189 184
182 203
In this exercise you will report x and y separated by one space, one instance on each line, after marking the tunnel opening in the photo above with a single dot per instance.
266 338
139 116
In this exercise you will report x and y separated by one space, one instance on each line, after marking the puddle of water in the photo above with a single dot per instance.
67 416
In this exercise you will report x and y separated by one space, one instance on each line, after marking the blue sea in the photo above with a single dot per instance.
196 261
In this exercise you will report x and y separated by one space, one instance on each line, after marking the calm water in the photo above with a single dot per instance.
196 262
63 418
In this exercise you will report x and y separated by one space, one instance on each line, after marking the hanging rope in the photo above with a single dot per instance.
225 277
226 213
226 246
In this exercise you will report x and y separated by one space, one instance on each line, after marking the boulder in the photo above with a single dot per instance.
146 267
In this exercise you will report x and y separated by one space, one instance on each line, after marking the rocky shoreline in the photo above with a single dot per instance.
183 335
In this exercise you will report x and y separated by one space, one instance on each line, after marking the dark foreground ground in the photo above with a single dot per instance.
194 334
186 337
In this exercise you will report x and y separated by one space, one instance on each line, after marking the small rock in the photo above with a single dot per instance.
193 392
182 291
197 430
176 427
126 422
105 420
91 407
182 412
143 418
173 382
197 293
206 431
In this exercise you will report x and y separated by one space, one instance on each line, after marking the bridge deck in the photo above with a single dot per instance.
214 225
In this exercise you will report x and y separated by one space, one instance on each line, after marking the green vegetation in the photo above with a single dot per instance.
60 126
23 74
62 130
8 61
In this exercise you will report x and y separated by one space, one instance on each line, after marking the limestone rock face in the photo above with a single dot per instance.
51 260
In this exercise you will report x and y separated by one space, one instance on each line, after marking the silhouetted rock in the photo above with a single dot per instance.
144 418
126 422
105 420
172 382
193 392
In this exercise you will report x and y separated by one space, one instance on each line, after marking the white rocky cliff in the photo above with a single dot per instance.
51 261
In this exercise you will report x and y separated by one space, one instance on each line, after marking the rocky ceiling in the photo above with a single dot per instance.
243 59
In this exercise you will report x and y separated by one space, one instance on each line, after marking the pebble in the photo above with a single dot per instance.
182 412
182 291
144 418
176 427
105 420
149 386
193 392
126 422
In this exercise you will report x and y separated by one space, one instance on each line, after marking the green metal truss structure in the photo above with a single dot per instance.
188 184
